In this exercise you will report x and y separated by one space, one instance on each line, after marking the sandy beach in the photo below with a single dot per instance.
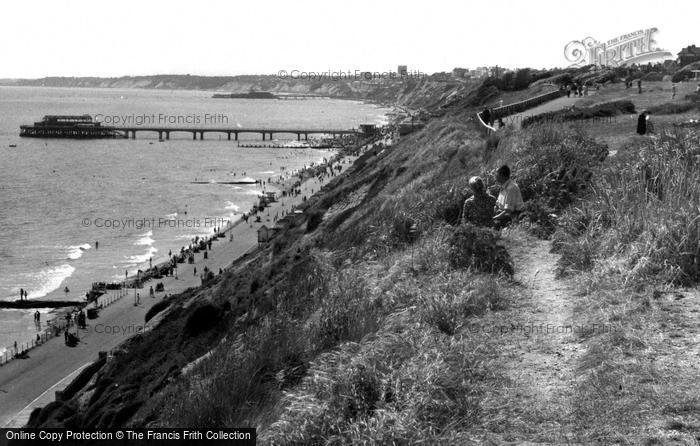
32 382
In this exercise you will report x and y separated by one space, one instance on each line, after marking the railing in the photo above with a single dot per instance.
484 125
517 107
53 327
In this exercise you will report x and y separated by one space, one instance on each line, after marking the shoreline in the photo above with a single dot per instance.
53 318
50 315
28 381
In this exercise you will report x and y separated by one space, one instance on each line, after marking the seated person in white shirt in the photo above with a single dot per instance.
509 203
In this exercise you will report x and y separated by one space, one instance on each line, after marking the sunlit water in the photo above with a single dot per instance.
59 197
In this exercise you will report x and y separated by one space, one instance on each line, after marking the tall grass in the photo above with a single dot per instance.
646 210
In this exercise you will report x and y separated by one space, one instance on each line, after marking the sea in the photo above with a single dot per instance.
74 212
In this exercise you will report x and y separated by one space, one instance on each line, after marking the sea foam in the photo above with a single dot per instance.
76 252
50 279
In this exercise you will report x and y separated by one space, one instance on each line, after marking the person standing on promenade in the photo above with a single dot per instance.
639 85
478 209
509 204
21 294
673 91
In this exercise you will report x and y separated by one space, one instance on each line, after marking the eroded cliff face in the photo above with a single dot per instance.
146 374
411 92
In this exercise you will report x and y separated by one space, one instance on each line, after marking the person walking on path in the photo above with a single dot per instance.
639 85
673 91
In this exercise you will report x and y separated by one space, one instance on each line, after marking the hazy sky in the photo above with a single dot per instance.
129 37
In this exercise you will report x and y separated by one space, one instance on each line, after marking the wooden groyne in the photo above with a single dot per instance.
27 304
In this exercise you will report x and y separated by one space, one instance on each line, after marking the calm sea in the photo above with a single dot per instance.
57 197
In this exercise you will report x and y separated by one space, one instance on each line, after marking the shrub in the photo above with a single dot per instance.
604 110
202 319
315 219
672 108
554 167
404 229
155 309
477 248
653 77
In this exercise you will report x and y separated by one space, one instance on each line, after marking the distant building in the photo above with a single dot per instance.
402 70
458 73
689 55
497 72
479 72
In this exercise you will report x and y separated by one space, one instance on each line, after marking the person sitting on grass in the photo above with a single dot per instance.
478 209
509 203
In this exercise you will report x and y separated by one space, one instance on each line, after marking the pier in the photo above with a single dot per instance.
84 127
267 134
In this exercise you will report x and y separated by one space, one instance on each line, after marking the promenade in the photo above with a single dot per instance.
32 382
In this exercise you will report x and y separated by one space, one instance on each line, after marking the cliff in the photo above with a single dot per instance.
410 92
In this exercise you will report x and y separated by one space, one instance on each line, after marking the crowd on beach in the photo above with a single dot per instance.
290 182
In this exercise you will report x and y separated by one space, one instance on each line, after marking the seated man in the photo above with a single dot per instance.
510 202
478 209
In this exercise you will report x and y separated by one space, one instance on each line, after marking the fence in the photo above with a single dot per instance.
517 107
54 327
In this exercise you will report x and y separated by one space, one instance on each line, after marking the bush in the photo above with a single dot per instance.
653 77
404 230
203 318
605 110
672 108
315 219
477 248
155 309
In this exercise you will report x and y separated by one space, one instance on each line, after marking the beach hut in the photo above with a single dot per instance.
263 234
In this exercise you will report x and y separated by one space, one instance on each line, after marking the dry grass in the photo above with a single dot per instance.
646 209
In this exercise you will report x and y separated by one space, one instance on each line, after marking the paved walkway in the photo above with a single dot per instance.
554 105
29 383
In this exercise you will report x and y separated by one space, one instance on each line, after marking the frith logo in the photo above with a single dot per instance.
635 47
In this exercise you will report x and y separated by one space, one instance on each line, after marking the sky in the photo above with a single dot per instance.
216 37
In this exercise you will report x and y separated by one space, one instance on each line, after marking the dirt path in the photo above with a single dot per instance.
541 351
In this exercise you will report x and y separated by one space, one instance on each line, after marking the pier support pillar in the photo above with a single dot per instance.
201 135
160 135
194 136
298 136
229 136
236 136
263 133
167 135
133 134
